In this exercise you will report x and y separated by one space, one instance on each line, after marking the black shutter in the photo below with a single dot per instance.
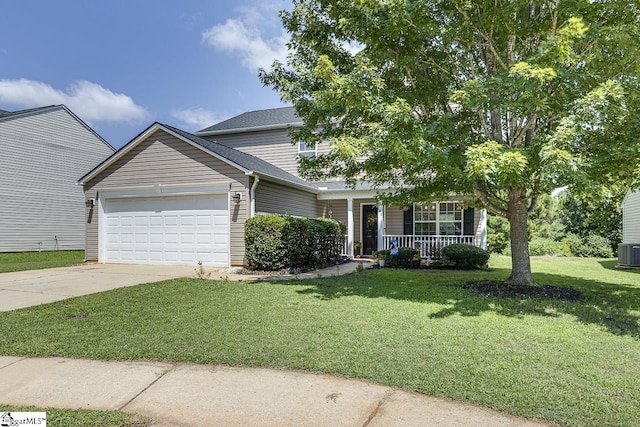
467 228
408 221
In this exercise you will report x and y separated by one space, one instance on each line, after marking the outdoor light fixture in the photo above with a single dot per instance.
90 202
237 197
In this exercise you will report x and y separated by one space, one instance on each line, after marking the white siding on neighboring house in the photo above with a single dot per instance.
631 218
42 156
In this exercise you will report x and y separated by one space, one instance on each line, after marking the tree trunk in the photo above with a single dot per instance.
520 262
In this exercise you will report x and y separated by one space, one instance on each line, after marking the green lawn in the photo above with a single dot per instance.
20 261
83 417
572 363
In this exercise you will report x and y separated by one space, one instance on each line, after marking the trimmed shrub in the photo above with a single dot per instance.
275 242
541 246
463 256
406 258
265 243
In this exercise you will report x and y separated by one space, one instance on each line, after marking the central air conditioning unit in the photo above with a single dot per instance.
629 254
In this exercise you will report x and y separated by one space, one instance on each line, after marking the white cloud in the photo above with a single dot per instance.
88 100
198 118
243 37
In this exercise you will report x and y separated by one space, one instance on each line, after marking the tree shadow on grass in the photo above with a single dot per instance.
615 307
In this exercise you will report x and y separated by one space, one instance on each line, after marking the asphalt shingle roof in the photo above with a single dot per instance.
246 161
256 119
5 114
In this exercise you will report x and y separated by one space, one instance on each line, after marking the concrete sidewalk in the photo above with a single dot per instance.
203 395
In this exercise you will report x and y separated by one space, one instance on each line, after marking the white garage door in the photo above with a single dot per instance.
167 230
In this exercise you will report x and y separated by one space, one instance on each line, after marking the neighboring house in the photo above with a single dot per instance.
169 196
629 249
43 151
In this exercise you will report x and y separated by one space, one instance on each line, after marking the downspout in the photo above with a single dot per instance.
252 196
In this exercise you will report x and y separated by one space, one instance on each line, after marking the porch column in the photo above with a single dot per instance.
483 229
350 227
381 226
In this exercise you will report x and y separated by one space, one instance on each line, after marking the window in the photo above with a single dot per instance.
425 219
438 218
306 150
450 219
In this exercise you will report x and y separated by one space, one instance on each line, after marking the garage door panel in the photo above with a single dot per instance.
170 220
141 221
171 230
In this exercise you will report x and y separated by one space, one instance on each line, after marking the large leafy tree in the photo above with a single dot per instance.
502 99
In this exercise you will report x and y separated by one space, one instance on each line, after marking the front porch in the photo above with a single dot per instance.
429 246
371 226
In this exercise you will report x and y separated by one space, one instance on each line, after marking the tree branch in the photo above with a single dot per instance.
489 204
486 37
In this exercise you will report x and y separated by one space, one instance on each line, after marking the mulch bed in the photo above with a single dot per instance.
492 288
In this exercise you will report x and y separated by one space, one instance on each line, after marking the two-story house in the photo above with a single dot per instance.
43 151
170 196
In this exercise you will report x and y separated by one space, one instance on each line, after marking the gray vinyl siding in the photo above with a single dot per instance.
275 198
334 209
394 217
631 218
273 146
42 155
163 159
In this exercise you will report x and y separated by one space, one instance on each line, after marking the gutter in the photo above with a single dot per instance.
252 196
248 129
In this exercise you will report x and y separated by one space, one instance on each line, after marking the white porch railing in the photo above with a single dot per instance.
429 246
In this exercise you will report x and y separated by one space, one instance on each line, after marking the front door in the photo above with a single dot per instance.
369 229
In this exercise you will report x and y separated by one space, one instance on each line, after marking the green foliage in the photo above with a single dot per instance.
544 222
275 242
497 234
543 246
265 241
589 246
595 210
406 258
464 257
503 101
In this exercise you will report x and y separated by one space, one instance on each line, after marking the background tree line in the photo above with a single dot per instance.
585 224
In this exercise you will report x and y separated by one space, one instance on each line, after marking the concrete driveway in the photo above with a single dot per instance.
26 288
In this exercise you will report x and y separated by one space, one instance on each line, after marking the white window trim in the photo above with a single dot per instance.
301 152
437 220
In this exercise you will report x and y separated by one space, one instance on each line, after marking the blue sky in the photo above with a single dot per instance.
120 65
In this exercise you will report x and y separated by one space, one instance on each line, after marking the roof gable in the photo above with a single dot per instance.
13 115
245 162
275 118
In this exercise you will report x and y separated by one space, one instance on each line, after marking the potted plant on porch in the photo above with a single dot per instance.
380 255
357 248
